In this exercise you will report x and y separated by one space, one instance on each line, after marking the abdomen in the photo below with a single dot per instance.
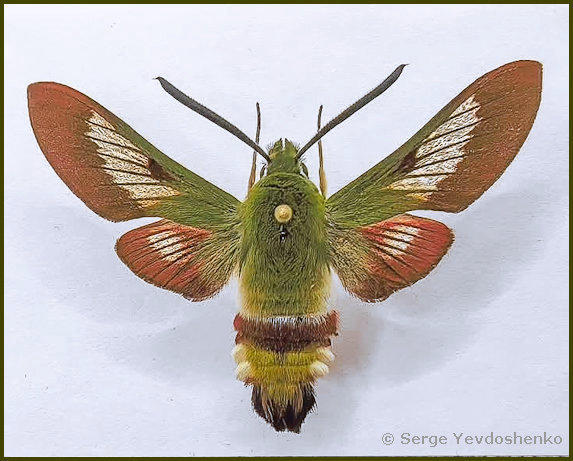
284 328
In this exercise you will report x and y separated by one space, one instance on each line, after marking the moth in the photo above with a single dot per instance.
286 238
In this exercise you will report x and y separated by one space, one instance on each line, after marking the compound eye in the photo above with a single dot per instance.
283 213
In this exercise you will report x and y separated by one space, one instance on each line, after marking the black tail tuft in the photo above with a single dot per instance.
289 416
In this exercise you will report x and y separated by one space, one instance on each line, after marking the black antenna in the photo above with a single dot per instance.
196 106
353 108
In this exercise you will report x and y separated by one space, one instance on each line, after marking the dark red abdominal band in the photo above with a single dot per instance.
296 334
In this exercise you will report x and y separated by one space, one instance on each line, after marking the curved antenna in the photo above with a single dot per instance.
196 106
353 108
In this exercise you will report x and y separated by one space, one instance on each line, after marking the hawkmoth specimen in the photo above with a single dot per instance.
286 238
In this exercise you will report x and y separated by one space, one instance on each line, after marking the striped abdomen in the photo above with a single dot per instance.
283 328
281 357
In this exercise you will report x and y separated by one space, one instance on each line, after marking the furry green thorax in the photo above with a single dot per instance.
283 266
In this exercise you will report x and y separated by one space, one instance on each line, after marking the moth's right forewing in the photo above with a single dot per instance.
455 157
459 156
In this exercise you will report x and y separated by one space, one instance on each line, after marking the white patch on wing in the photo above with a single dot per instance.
392 251
102 132
426 183
456 122
441 152
399 235
125 164
452 152
118 164
466 105
172 253
444 167
116 151
159 236
433 143
169 248
168 242
406 229
99 120
394 243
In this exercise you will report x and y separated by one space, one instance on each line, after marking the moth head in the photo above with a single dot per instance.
283 158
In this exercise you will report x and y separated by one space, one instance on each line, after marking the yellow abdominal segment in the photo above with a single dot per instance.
266 367
281 375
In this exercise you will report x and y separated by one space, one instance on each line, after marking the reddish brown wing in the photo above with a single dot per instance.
120 176
375 261
113 170
445 166
194 262
454 158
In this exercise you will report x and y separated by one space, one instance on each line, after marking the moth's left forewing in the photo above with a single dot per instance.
115 171
121 176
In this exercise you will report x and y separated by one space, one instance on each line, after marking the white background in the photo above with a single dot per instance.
97 362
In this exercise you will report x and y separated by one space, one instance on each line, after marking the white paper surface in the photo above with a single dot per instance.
97 362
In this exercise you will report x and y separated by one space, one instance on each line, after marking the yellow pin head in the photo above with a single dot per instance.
283 213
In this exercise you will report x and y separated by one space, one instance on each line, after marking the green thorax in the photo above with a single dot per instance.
283 266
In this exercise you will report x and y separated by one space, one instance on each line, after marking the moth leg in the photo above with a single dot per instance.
254 164
321 173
